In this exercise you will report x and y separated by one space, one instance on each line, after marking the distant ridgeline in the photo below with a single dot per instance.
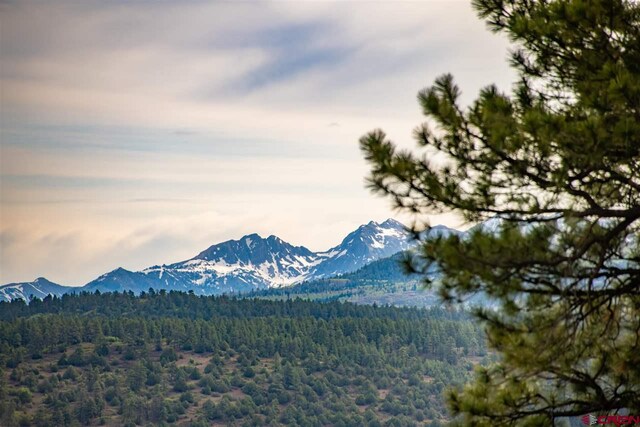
252 263
171 357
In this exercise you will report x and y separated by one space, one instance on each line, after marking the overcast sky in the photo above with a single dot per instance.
140 133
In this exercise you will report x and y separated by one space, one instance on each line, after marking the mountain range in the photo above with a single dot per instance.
250 263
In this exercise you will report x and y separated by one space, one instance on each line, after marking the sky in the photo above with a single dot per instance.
140 133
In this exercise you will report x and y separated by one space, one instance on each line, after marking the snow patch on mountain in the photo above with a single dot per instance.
39 288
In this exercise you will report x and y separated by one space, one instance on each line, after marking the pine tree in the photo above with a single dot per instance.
557 163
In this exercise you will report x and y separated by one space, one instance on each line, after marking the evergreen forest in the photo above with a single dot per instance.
179 359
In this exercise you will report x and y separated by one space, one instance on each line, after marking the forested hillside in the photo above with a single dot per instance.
165 358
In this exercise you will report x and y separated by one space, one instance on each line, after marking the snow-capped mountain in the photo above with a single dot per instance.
39 288
239 265
254 262
250 263
368 243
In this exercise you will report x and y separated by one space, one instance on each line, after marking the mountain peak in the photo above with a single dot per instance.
251 239
40 288
368 243
115 272
390 222
251 236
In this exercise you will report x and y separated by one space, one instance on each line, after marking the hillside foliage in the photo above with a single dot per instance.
174 358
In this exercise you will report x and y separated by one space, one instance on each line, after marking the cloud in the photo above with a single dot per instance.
142 132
